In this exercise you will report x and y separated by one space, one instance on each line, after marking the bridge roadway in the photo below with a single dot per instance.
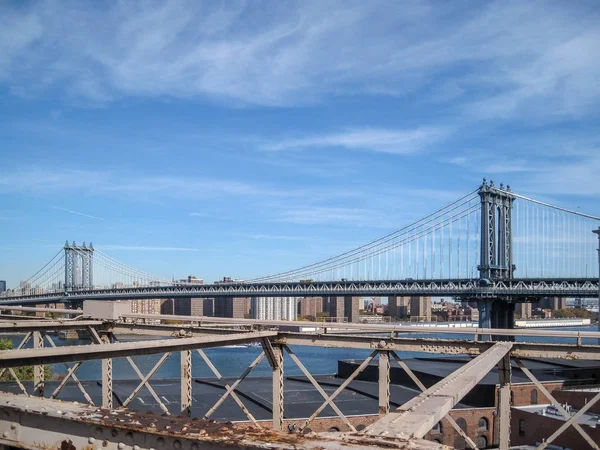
515 289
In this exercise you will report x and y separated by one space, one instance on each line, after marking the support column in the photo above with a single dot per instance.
503 317
278 388
485 312
38 370
384 383
505 373
107 379
186 383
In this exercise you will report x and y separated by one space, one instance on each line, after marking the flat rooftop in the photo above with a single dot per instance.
592 420
301 397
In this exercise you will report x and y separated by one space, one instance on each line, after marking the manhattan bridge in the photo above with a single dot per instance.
492 246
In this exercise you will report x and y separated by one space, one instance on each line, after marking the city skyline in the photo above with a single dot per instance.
276 138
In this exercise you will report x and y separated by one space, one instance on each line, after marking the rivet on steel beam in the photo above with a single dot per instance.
91 440
177 444
13 426
121 445
5 434
136 447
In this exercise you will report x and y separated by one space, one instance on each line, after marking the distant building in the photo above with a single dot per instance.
189 306
146 306
191 279
234 307
398 306
310 306
553 303
524 310
2 286
342 308
274 308
421 307
208 307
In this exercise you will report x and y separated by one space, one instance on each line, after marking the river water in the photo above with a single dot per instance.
232 361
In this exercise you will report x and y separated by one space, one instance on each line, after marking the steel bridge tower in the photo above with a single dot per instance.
79 266
496 256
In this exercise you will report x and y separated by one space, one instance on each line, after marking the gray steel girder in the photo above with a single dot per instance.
416 417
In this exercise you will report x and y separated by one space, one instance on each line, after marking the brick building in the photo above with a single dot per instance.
524 310
234 307
553 303
398 306
341 308
188 306
310 306
421 307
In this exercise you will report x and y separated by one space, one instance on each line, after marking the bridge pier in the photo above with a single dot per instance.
484 305
496 313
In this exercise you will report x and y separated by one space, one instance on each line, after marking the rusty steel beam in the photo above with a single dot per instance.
231 389
416 417
186 383
146 379
39 423
319 389
375 328
38 369
214 370
19 326
340 388
17 358
70 374
163 330
72 312
442 346
139 373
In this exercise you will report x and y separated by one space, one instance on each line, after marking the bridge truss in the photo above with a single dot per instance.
37 422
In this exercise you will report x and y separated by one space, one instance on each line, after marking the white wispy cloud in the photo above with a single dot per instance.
144 248
274 237
480 163
510 56
339 216
70 211
379 140
104 182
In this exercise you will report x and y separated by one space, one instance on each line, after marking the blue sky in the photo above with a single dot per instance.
244 138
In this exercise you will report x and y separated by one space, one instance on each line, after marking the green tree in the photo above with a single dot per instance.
24 373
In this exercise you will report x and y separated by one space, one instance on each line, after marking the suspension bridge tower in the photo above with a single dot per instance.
496 263
79 266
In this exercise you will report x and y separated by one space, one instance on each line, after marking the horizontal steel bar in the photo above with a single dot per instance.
73 312
441 346
375 328
185 330
47 325
16 358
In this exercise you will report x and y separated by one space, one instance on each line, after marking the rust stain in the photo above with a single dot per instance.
67 445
